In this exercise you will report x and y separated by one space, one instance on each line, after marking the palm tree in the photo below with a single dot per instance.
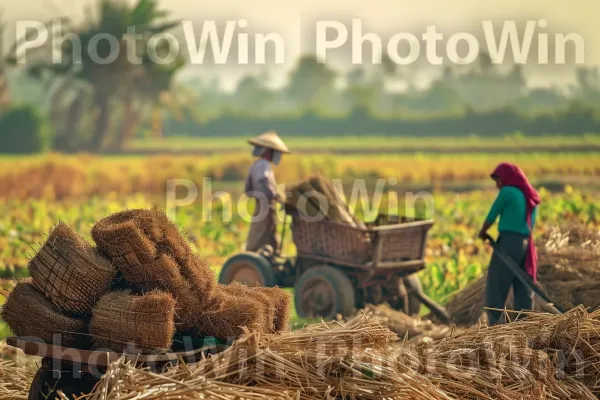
118 81
145 95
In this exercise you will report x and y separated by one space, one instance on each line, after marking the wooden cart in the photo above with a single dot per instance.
339 267
76 371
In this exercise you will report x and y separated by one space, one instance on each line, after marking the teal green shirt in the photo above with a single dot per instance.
510 206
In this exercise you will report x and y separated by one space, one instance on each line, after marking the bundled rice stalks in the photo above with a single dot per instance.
255 294
152 254
128 233
283 307
229 316
124 322
15 380
69 272
317 196
405 326
29 314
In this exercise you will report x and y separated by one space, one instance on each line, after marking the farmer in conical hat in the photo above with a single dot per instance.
261 185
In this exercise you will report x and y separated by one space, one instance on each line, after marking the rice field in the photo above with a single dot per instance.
83 176
374 143
37 192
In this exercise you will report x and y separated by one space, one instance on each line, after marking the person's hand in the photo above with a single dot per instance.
482 234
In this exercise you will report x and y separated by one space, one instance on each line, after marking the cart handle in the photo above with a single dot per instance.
280 250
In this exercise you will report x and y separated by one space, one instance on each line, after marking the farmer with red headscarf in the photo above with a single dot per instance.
516 205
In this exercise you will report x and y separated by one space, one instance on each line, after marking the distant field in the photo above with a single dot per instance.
58 176
378 144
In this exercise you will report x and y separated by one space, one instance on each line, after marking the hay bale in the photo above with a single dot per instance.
69 272
336 210
201 277
283 307
240 290
122 321
300 199
126 233
29 314
173 242
159 258
228 317
163 274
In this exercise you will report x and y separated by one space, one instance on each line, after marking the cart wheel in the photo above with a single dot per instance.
249 268
45 386
324 292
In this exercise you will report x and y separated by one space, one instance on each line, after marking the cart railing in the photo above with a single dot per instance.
386 246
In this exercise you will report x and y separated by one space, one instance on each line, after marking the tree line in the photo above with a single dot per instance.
74 106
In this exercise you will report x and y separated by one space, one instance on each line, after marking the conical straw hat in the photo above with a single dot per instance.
270 140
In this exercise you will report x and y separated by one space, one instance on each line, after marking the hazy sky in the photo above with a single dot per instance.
295 22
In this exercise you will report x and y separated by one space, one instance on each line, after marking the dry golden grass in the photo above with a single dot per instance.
541 357
60 176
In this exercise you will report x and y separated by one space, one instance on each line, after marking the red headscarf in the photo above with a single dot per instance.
511 175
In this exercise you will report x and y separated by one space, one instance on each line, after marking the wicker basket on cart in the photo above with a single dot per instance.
332 240
379 243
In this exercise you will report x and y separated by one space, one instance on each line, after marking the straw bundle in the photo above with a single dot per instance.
69 272
128 233
317 196
29 314
228 316
283 307
256 294
156 256
123 322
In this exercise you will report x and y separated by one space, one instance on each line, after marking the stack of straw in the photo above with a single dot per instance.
319 197
152 255
541 357
569 271
414 330
15 380
67 277
140 286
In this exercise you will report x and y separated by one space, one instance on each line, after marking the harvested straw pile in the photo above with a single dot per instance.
569 271
160 288
318 197
153 255
70 272
30 314
415 330
541 357
121 321
15 380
